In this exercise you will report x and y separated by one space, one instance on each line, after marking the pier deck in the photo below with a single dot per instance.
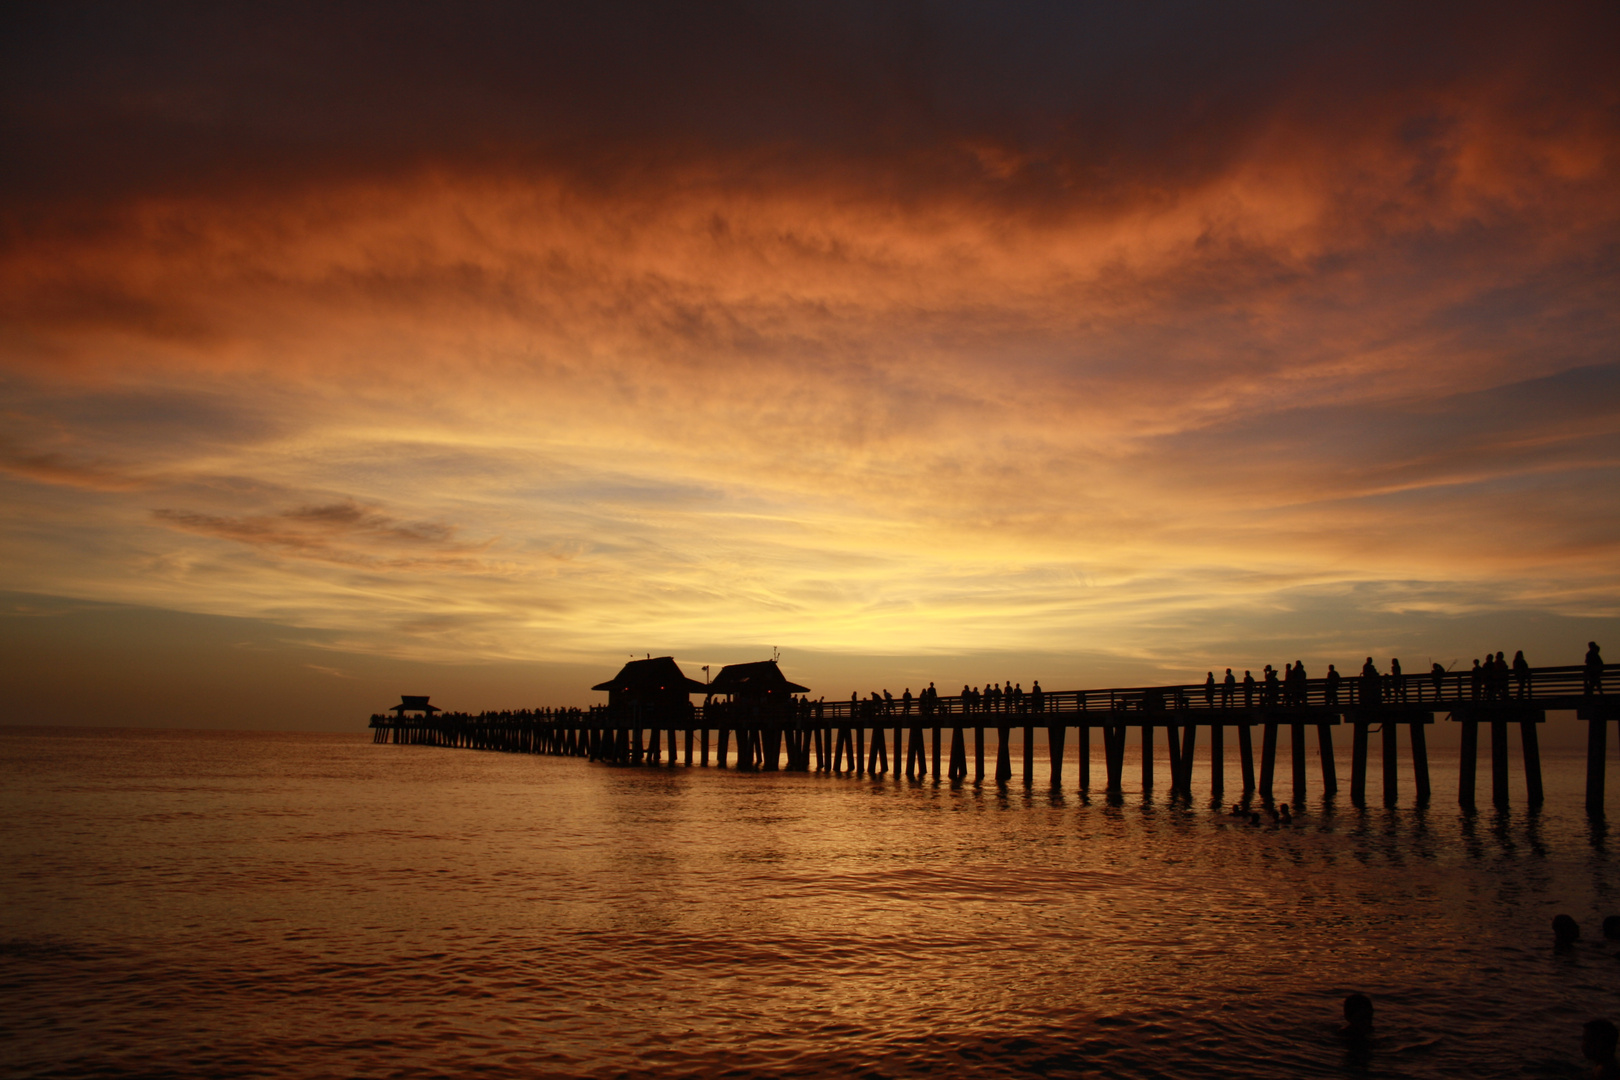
875 737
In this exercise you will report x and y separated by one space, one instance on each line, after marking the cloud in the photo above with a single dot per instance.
53 468
342 532
840 326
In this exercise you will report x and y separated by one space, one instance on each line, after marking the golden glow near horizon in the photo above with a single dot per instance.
506 411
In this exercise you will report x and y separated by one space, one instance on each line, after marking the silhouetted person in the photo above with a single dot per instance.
1476 681
1521 674
1358 1017
1037 697
1599 1040
1397 684
1285 816
1331 692
1566 930
1248 688
1594 669
1437 675
1227 686
1611 927
1369 683
1209 689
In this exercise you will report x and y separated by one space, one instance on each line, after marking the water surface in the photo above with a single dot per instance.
297 905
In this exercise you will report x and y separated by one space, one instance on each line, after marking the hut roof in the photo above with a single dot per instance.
762 676
658 673
411 703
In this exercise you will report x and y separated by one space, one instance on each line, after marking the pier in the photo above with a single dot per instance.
753 718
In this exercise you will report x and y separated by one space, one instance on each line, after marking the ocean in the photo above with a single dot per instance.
242 904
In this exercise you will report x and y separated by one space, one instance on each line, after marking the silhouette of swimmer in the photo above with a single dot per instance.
1358 1017
1599 1039
1284 816
1565 930
1611 927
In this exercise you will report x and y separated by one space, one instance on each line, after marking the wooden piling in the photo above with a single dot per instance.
958 754
1003 754
1390 730
1172 738
725 740
1054 750
1029 756
1268 758
1467 759
1189 743
1114 756
1246 755
1358 761
936 753
1420 761
1083 749
1499 763
1147 755
1532 761
1597 739
1330 769
1296 753
978 755
1217 759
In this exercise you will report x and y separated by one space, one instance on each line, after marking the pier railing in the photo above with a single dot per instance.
824 736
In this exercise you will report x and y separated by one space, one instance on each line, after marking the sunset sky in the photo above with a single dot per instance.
356 350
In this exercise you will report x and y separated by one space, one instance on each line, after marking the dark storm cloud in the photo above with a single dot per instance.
1053 101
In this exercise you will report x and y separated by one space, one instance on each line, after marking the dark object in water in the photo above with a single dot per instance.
1565 929
1358 1015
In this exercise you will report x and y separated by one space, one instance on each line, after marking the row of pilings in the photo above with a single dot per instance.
946 738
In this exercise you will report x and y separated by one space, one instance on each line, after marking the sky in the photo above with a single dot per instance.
472 349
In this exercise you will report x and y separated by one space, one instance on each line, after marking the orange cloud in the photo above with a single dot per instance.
1030 383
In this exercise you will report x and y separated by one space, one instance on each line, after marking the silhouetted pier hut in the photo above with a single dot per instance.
759 706
652 694
413 721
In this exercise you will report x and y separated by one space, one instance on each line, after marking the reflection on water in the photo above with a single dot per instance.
306 905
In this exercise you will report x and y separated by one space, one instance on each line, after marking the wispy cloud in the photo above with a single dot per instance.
980 347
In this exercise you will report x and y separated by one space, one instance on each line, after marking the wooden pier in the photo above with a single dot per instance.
753 718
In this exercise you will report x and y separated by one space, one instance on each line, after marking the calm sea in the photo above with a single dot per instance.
293 905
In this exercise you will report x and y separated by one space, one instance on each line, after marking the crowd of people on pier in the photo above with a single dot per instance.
1491 679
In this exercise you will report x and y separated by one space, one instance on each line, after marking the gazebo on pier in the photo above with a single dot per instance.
760 687
413 704
653 691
